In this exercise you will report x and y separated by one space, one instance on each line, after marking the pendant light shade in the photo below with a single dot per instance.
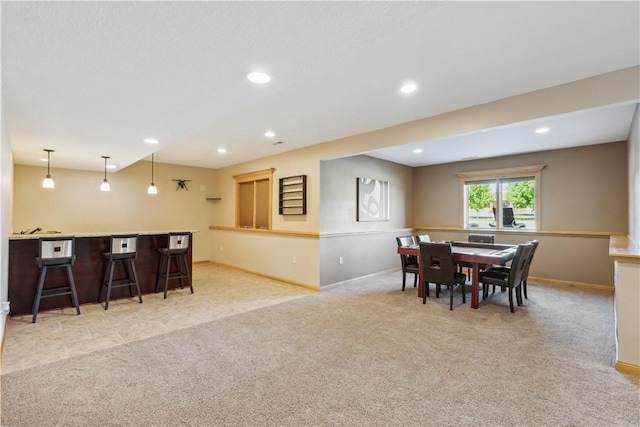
152 188
48 181
105 184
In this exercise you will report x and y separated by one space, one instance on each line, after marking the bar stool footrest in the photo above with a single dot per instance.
55 292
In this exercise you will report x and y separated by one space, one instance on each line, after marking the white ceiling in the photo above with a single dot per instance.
95 78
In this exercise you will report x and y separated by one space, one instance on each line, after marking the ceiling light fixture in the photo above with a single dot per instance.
48 181
417 150
258 77
222 150
152 188
151 141
542 130
408 88
105 184
269 134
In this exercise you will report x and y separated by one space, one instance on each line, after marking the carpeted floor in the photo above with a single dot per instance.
360 354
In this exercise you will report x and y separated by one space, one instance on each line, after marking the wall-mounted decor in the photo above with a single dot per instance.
182 184
293 195
373 199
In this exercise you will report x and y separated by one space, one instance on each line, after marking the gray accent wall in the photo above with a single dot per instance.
365 247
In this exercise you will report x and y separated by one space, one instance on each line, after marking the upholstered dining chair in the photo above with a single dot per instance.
436 264
476 238
510 280
506 269
422 238
409 262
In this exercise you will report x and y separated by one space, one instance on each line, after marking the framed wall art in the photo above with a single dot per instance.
373 199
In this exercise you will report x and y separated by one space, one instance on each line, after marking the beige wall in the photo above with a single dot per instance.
77 205
287 164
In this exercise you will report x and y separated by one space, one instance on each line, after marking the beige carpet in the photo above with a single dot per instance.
359 354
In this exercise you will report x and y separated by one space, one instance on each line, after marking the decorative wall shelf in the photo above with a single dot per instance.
293 195
214 198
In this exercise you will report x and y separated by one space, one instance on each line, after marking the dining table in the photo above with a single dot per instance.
475 253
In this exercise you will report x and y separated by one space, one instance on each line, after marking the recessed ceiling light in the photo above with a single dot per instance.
111 166
222 150
44 160
258 77
151 140
542 130
417 150
269 134
408 88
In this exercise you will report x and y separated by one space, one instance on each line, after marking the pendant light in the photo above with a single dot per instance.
48 181
105 184
152 188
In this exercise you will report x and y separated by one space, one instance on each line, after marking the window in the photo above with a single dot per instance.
253 199
502 199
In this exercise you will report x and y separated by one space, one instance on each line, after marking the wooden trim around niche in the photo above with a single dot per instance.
254 176
261 175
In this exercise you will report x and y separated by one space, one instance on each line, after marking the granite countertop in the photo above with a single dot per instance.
19 236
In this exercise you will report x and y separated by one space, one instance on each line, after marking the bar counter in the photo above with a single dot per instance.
88 270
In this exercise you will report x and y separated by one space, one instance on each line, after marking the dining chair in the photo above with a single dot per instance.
436 264
422 238
506 269
409 262
508 280
476 238
525 275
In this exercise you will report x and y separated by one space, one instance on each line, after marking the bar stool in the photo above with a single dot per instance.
123 250
55 252
178 247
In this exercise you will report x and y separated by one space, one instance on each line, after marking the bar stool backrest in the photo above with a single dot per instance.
178 241
56 250
124 246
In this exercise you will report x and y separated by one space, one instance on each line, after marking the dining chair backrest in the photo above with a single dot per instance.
482 238
422 238
436 263
404 241
519 263
534 246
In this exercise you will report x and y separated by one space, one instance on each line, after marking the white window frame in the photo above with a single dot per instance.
517 172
